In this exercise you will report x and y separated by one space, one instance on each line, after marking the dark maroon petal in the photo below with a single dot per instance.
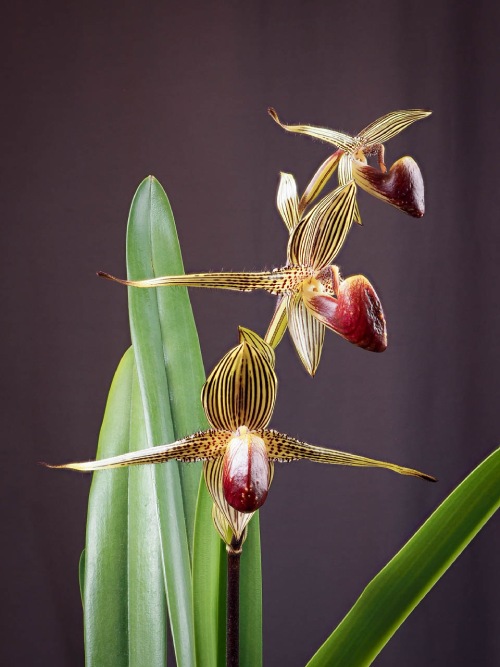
402 186
246 475
356 314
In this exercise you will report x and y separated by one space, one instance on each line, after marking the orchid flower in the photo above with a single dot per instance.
312 293
402 186
239 451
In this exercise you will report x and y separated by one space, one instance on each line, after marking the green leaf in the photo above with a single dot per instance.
209 596
81 573
251 598
124 618
393 594
170 376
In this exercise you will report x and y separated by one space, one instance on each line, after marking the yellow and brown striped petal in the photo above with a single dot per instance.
319 180
307 333
281 447
388 126
339 139
241 390
202 446
223 528
260 344
402 186
279 322
287 201
319 237
270 281
345 176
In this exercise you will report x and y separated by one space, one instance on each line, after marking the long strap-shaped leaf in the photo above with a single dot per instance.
153 250
161 342
251 598
393 594
120 571
208 585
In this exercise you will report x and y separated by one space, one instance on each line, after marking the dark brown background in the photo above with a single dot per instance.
98 95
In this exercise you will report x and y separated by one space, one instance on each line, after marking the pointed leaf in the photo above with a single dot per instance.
160 340
394 593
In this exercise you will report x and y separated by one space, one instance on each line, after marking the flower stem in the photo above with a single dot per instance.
233 604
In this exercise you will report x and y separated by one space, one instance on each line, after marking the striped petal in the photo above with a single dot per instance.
274 282
221 525
356 314
223 528
345 169
390 125
279 322
241 390
246 476
307 333
200 446
253 339
282 447
345 176
319 237
287 201
402 186
339 139
319 180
